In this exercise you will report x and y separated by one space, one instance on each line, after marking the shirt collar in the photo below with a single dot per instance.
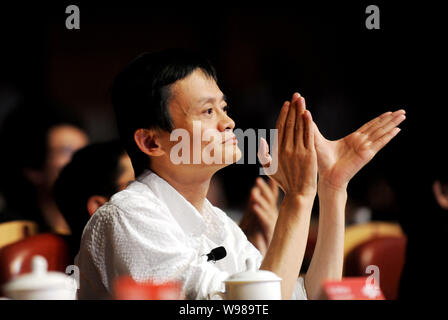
186 215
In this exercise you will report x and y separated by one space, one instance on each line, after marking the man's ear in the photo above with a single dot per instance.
441 194
148 142
94 203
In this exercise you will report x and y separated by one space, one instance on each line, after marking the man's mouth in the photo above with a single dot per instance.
231 140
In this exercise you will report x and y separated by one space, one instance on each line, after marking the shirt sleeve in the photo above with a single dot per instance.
150 246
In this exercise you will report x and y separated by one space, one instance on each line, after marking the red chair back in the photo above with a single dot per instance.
15 258
388 253
17 230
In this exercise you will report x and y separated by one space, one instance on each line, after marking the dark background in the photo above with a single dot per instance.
347 73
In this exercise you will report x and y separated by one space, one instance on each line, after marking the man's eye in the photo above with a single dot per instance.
225 109
209 111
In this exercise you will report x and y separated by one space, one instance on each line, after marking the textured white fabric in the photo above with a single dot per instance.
150 231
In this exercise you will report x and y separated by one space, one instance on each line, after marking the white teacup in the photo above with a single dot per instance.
252 285
41 284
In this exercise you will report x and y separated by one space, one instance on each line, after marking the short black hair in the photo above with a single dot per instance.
141 93
93 170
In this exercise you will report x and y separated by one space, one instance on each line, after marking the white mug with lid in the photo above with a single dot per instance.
41 284
252 285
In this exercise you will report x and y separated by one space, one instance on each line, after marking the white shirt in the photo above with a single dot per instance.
150 231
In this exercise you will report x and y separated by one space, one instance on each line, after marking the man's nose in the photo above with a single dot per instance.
225 122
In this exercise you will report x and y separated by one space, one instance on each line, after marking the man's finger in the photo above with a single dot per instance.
299 126
382 121
387 127
261 200
308 135
274 188
382 141
266 192
263 153
280 125
290 124
262 215
372 122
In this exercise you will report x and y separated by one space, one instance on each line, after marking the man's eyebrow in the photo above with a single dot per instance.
212 99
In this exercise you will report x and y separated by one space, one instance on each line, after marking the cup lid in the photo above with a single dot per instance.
39 278
253 275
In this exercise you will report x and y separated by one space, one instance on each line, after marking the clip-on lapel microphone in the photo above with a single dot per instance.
216 254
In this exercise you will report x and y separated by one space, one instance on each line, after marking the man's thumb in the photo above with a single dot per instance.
263 153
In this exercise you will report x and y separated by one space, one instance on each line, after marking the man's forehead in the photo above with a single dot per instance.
196 90
208 98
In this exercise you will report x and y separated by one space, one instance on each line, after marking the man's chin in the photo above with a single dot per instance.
233 157
228 158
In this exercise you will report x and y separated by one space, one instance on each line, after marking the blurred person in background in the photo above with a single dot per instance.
37 140
260 216
93 175
423 202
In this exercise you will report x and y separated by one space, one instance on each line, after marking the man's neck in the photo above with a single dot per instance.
193 187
